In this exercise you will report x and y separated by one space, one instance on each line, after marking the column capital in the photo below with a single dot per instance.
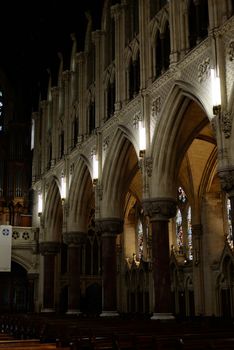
110 226
160 209
74 238
226 176
49 247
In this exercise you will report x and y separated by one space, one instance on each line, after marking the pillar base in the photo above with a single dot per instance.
48 310
162 316
73 312
109 314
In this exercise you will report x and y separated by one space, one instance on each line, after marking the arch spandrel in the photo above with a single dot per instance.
81 197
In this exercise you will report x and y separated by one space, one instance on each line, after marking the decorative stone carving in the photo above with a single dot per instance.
136 119
109 226
160 208
99 191
106 143
156 106
74 238
149 166
227 180
231 51
49 247
204 70
226 124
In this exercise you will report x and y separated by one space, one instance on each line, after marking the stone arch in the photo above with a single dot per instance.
53 214
173 137
120 167
81 196
20 260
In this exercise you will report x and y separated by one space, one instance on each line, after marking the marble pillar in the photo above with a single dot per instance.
109 229
160 211
49 250
74 240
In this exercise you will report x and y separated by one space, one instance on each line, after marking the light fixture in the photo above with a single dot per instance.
39 205
63 188
95 169
216 93
142 139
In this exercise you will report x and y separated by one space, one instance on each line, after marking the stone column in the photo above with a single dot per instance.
49 250
109 229
160 210
198 270
227 183
32 277
74 240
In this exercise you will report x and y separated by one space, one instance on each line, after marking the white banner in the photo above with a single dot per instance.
5 247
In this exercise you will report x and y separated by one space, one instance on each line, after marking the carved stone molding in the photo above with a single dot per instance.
49 247
74 238
160 208
226 124
227 180
110 226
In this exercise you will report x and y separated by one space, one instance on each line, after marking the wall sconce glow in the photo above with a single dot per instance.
63 188
95 169
142 139
216 93
39 205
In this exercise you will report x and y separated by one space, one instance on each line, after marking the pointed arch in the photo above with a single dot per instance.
120 167
53 215
169 136
81 196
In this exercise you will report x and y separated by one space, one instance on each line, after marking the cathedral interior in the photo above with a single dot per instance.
118 177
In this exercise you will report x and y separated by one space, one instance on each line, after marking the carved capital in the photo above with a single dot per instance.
227 180
50 247
74 238
160 208
110 226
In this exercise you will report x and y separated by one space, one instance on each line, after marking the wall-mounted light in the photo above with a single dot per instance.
95 169
216 93
142 139
39 204
63 188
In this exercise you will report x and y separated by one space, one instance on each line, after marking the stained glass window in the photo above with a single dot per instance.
190 244
179 230
184 225
229 234
140 239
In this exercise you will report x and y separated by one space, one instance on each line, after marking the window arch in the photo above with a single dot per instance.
92 123
111 99
162 50
134 76
198 21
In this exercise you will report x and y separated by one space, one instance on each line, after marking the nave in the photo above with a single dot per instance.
44 332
